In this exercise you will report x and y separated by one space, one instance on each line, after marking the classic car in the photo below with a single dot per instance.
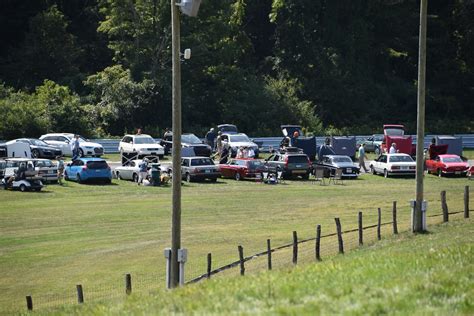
447 165
40 149
235 141
199 168
86 169
188 140
243 168
372 143
393 164
291 164
140 145
333 162
64 142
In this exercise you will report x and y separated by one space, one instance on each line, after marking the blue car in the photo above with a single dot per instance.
88 169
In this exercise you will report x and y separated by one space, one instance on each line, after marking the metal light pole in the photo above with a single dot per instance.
420 132
176 152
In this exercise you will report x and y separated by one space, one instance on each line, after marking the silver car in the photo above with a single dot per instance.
199 168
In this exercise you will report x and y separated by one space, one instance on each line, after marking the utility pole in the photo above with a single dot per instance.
420 132
176 152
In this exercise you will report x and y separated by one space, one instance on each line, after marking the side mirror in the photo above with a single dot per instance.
67 142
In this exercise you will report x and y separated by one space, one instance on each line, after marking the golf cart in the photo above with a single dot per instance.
22 179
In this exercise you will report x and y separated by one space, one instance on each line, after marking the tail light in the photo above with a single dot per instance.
412 167
286 162
395 167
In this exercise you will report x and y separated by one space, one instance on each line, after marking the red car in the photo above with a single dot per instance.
447 165
243 168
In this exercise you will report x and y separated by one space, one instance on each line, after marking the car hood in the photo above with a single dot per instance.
144 146
243 144
90 144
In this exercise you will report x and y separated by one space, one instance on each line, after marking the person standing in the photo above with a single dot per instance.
250 153
76 148
219 143
60 169
142 171
210 137
168 134
362 158
393 149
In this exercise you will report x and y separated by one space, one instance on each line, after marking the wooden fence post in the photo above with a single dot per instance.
394 211
361 230
339 235
269 250
295 247
379 223
466 201
242 262
444 206
128 283
318 243
80 294
29 303
209 265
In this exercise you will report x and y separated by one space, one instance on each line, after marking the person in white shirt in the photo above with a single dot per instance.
393 148
250 153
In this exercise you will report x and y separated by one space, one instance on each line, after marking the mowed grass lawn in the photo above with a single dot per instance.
94 234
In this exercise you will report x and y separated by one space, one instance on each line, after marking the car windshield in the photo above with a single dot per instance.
144 140
190 139
43 163
38 142
239 138
97 165
401 159
451 159
201 162
297 159
341 159
394 131
378 138
254 164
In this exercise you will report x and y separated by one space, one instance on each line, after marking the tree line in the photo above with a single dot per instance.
103 67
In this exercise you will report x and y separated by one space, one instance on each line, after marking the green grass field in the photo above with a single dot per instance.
93 234
430 274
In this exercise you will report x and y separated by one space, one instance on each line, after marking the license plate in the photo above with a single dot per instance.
404 167
299 171
348 170
457 172
298 166
97 171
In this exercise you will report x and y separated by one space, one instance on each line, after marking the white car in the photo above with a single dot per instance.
65 140
235 141
393 164
142 145
129 172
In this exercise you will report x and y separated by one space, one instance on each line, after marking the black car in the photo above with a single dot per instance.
188 141
39 149
292 164
331 163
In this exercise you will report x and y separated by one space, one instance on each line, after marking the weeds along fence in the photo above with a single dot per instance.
325 243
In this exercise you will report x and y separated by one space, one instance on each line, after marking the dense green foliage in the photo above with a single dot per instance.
331 66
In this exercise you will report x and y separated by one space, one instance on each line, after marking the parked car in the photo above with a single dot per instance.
243 168
372 143
141 145
291 164
227 129
88 169
443 165
235 141
129 172
188 140
333 162
199 168
393 164
396 134
64 142
40 149
45 169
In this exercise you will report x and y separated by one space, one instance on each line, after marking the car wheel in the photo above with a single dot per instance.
385 173
135 177
35 153
22 187
237 176
372 169
377 151
38 189
305 176
214 180
79 180
81 153
440 174
108 181
188 177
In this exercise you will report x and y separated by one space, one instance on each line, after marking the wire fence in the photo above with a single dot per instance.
326 241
